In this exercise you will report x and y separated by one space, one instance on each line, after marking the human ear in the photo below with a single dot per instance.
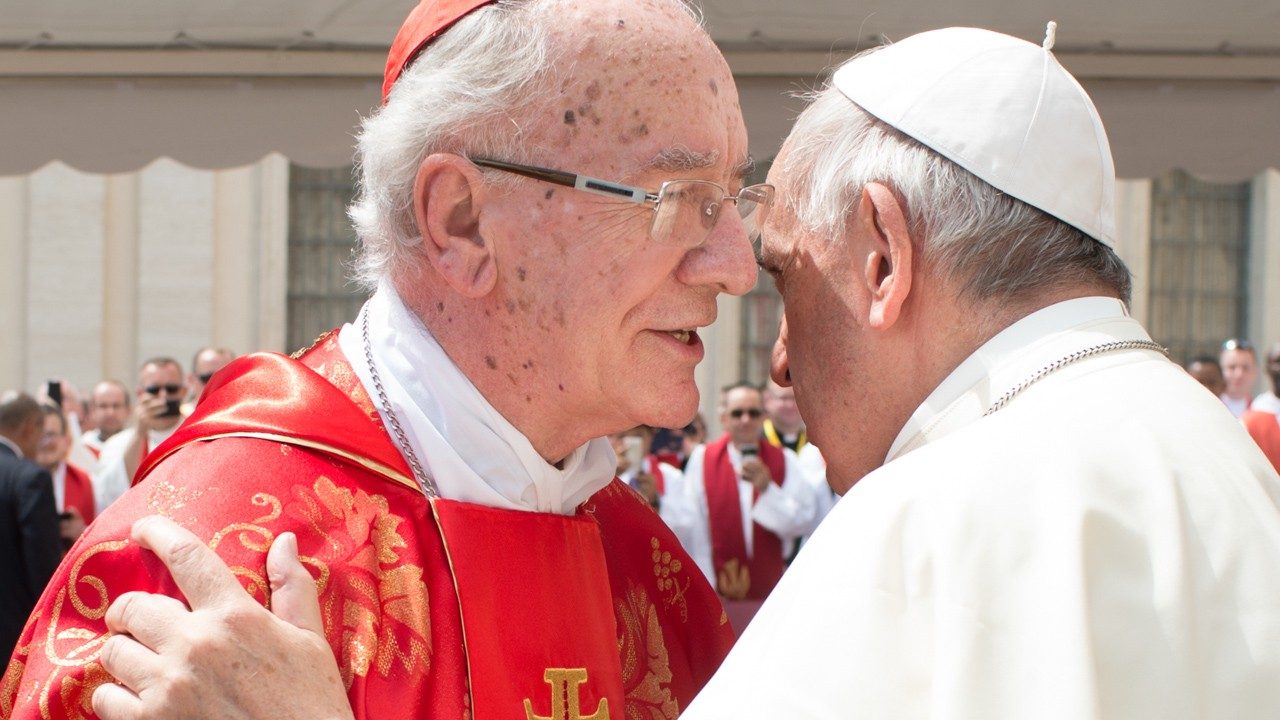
448 193
888 271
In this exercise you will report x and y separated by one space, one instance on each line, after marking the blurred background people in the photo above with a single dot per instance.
157 413
1239 363
109 408
1262 420
1208 372
749 499
783 427
206 362
72 488
29 544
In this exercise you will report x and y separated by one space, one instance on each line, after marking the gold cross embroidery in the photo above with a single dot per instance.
564 684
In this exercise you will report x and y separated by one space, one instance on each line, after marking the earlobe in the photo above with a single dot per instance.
448 196
889 268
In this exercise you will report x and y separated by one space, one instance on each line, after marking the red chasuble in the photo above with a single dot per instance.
740 577
77 492
435 609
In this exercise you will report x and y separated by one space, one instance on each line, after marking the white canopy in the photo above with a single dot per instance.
217 83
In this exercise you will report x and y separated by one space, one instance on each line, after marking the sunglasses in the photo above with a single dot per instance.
171 389
753 413
204 378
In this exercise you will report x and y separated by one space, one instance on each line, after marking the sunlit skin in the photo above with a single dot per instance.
1240 371
150 407
207 362
555 302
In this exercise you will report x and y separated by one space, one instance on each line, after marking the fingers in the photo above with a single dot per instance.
152 619
293 591
199 573
112 702
131 663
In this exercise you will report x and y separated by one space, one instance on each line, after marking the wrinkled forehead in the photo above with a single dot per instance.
742 398
643 91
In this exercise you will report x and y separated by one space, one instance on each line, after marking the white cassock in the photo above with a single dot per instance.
1107 545
673 507
788 510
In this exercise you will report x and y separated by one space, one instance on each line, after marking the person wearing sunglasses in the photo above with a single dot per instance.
750 499
1239 361
206 362
156 415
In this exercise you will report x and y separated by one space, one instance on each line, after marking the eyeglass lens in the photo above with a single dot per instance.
169 389
688 210
752 413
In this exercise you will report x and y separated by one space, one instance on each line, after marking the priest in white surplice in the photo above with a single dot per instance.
1051 520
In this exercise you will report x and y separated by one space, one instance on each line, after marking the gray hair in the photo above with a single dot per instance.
992 245
465 93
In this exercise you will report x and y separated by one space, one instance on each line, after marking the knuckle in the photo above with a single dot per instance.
184 551
110 651
123 609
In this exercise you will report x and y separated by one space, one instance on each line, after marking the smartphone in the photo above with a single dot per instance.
634 450
54 391
172 408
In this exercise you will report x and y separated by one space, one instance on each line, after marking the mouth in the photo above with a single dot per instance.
683 336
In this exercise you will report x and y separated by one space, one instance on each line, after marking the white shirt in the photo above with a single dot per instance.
787 510
1107 545
1236 406
465 445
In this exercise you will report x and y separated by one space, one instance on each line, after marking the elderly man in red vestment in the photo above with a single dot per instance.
551 200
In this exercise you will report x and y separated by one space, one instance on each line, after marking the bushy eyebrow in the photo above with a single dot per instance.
681 159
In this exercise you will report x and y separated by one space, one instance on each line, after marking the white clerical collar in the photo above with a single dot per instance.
1011 357
11 445
1266 402
473 453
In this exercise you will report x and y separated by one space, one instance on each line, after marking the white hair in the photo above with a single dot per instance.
472 91
991 244
469 92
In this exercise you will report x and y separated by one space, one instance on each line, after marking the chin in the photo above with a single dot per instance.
665 407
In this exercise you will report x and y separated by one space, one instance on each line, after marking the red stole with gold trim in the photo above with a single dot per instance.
77 492
739 576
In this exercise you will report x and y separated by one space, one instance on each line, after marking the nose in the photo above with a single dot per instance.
725 261
779 365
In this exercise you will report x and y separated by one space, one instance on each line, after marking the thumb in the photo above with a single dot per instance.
293 591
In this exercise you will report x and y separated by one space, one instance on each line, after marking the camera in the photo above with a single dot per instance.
172 408
54 391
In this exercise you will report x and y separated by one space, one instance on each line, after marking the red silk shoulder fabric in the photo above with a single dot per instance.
278 445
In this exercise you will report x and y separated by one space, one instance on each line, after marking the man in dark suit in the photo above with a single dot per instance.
29 543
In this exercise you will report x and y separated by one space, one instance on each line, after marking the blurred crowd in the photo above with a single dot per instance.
742 503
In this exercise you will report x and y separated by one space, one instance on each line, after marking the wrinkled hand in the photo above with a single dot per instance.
226 656
648 487
754 472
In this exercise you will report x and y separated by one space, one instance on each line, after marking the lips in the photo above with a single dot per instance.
682 336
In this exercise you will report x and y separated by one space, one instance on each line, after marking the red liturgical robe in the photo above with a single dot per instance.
435 609
77 492
740 577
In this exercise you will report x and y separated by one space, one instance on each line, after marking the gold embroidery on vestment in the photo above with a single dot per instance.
565 683
672 583
642 648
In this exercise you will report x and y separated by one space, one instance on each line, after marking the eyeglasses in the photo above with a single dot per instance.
204 378
171 389
753 413
684 211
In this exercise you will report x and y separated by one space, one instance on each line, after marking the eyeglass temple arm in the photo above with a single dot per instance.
581 182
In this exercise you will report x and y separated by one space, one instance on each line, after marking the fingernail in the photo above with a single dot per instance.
291 543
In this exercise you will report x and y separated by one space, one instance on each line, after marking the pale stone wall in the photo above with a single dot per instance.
103 271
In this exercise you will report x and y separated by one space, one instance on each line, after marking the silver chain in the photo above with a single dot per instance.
1075 357
425 483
